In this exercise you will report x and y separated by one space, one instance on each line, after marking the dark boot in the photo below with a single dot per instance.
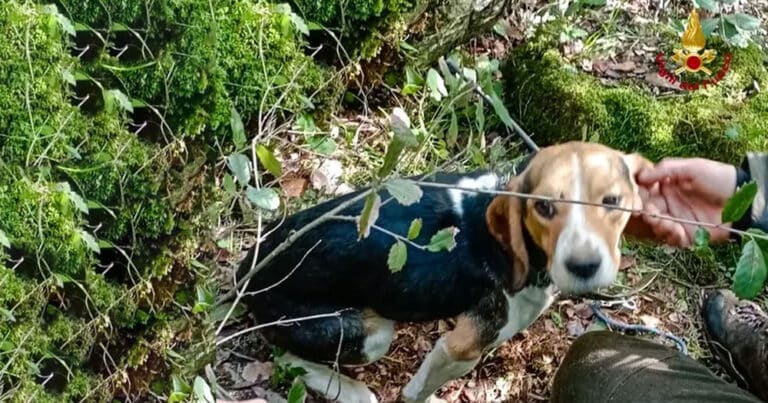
738 333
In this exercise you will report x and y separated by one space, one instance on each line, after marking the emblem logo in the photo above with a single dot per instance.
693 58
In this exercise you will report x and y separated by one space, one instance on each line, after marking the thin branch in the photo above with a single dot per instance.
290 240
265 289
383 230
278 323
586 203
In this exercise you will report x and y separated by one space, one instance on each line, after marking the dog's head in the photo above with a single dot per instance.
581 242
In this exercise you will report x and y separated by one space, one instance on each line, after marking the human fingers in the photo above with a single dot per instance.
665 231
666 168
679 208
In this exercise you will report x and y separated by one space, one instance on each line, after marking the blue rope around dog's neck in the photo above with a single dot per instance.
621 326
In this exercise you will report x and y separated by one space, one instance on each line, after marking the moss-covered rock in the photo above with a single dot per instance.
557 103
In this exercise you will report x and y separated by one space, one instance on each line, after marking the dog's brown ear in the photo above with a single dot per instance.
637 227
505 222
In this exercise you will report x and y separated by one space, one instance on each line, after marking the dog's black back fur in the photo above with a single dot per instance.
344 272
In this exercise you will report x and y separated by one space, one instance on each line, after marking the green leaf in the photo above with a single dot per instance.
268 160
298 392
68 77
709 5
369 215
240 166
4 241
701 238
238 130
7 315
299 23
220 311
403 137
121 100
90 241
744 22
739 203
229 184
415 229
596 3
265 198
445 239
501 110
732 133
305 123
733 36
75 198
480 115
751 272
557 318
453 130
436 85
322 145
406 192
398 255
205 299
64 22
203 391
709 25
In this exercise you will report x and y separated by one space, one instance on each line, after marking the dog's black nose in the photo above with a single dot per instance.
582 268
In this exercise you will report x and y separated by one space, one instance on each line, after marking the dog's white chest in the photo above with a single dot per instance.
524 307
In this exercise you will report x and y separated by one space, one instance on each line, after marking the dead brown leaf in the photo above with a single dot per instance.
294 187
257 371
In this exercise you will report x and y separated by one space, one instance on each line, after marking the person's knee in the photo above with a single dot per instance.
586 367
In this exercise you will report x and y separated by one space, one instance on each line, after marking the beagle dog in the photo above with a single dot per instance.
511 258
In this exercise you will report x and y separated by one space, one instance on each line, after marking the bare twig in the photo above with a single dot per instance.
586 203
290 240
278 323
265 289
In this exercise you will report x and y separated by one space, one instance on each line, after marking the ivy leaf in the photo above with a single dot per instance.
406 192
733 36
238 130
739 203
453 130
369 215
90 241
4 241
751 272
436 85
203 391
744 22
709 5
269 161
415 229
398 255
297 393
265 198
240 166
445 239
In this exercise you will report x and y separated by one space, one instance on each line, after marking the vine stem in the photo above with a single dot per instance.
586 203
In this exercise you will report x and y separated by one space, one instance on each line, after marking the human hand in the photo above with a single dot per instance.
691 189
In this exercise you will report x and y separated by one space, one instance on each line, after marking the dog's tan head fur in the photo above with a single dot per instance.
581 242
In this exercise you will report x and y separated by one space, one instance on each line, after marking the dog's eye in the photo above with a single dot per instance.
612 200
545 208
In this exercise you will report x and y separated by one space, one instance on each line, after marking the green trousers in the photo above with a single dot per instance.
603 366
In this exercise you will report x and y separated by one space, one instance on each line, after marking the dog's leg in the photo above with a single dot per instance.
364 337
454 355
331 384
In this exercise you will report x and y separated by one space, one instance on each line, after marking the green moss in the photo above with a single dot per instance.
559 103
36 119
261 54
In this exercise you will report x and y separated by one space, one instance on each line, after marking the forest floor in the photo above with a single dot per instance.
668 284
